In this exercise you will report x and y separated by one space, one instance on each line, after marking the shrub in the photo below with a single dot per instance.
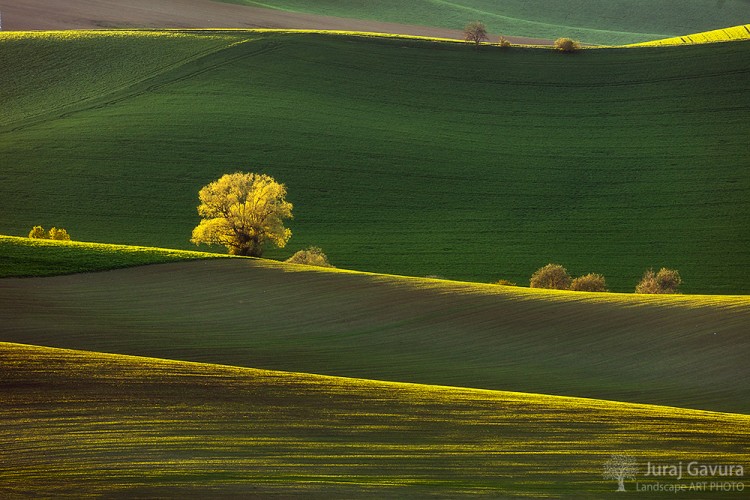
37 232
665 281
589 283
312 256
503 42
553 276
505 283
567 45
59 234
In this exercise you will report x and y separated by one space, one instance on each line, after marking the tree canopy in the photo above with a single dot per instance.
475 32
243 211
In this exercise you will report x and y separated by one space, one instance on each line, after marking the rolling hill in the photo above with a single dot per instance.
401 156
605 22
81 424
687 351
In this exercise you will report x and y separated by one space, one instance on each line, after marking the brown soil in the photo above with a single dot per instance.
92 14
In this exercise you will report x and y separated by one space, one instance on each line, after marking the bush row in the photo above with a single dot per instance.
556 277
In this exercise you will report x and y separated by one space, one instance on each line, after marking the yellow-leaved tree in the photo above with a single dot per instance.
242 212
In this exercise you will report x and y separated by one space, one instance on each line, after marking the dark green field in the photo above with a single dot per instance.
595 21
405 157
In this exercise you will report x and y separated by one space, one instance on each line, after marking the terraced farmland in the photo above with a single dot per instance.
124 426
400 156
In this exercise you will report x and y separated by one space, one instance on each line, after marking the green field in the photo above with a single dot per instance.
48 72
147 369
688 351
22 257
80 424
403 157
605 22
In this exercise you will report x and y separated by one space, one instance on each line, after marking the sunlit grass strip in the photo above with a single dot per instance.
525 293
25 257
60 35
88 424
187 32
735 33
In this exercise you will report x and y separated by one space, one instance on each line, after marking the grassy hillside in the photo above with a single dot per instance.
26 257
46 72
410 157
595 21
80 424
688 351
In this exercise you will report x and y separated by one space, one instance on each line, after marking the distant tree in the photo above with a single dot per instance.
243 212
567 45
503 42
475 32
59 234
312 256
666 281
38 232
553 276
589 283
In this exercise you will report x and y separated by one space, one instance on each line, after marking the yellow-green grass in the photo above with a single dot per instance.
82 424
733 34
37 257
688 351
635 156
595 21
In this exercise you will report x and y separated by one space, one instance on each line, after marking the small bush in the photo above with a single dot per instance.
552 276
664 282
38 232
505 283
59 234
503 42
567 45
312 256
589 283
